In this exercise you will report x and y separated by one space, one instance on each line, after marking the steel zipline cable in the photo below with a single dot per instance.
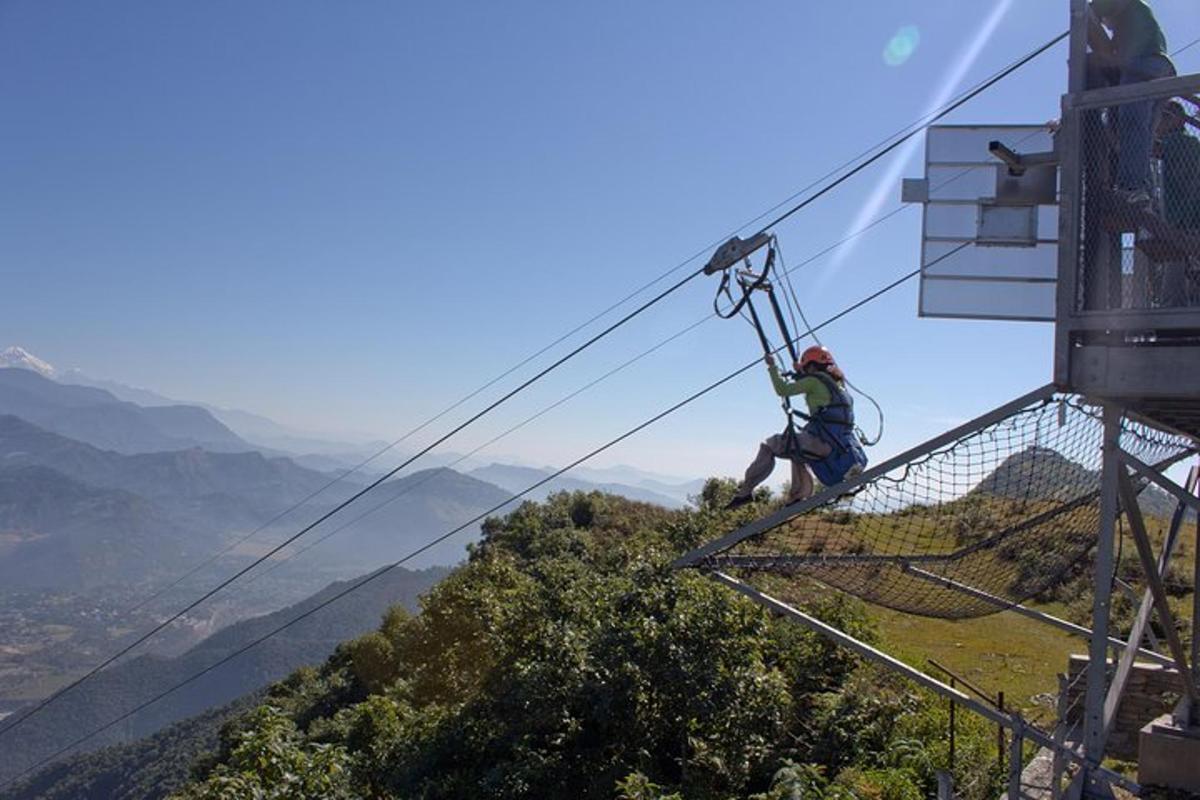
828 187
872 154
476 519
345 503
785 272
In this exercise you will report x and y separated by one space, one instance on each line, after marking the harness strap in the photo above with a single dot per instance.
747 289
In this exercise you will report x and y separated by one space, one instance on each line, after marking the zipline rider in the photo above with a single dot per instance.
826 444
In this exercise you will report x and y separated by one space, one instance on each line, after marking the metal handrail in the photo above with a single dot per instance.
1158 89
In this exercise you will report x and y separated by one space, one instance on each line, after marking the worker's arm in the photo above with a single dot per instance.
1098 39
785 388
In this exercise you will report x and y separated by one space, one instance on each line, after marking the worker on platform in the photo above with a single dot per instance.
1135 52
1180 153
826 444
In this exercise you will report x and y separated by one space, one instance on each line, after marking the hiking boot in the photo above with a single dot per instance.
1135 198
737 501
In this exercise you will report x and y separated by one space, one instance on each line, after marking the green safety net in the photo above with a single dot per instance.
992 519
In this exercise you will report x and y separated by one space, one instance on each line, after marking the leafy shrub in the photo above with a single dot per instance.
566 659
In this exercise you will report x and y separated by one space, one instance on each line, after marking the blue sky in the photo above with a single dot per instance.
347 215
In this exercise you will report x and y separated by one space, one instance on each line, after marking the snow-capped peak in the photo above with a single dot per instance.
20 357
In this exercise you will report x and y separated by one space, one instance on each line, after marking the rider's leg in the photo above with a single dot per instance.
802 482
760 469
812 448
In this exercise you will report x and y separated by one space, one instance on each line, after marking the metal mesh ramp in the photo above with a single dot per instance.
975 521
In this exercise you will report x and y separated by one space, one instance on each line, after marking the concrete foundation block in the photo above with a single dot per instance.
1169 755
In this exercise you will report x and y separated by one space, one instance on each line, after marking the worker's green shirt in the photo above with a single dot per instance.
816 393
1181 180
1136 33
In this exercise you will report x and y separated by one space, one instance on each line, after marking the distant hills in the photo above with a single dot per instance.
120 688
261 431
1039 473
516 479
412 511
147 769
203 488
111 491
191 501
315 451
56 531
98 418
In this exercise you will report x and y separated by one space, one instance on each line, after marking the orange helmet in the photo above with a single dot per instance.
816 355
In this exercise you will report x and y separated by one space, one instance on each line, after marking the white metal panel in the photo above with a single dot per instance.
1048 223
1004 278
1007 225
1039 262
945 220
988 299
965 144
961 221
962 183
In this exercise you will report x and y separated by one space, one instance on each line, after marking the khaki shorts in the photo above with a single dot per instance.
810 447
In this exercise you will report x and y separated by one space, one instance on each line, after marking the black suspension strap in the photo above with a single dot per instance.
750 282
725 261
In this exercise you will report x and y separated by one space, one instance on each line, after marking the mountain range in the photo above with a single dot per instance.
242 488
515 479
99 511
105 486
1040 473
157 486
317 451
58 532
254 430
97 417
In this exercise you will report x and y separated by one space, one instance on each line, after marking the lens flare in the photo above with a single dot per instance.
902 46
887 184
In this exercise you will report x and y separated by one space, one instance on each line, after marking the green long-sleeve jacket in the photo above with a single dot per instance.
816 393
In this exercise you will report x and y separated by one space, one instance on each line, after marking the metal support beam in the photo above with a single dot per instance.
1132 596
1016 758
789 563
1061 731
1077 54
865 650
1097 669
821 498
1157 89
1066 143
1196 611
1146 554
1040 616
1141 622
1169 486
870 653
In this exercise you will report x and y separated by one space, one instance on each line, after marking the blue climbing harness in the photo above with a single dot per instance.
833 424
